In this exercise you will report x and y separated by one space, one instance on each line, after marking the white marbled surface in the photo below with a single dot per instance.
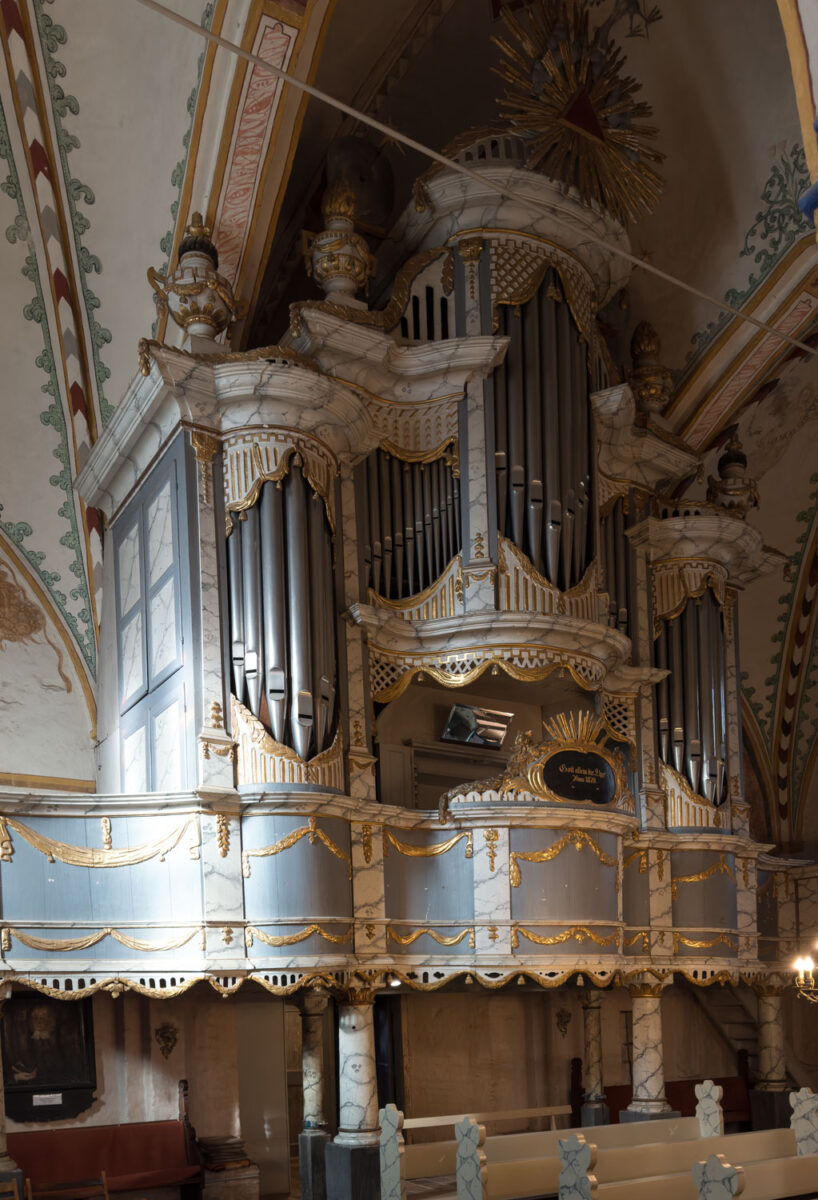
804 1120
577 1161
716 1179
471 1160
391 1153
357 1084
708 1109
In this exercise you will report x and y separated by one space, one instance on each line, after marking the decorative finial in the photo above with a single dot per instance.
650 382
734 490
338 257
199 299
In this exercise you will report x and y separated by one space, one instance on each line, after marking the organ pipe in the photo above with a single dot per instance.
542 437
691 701
411 525
282 614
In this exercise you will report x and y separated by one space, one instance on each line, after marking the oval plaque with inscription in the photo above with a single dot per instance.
579 775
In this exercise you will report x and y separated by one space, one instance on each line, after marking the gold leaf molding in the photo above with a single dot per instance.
88 856
310 831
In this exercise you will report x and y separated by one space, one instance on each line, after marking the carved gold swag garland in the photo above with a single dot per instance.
310 831
578 838
93 939
412 851
89 856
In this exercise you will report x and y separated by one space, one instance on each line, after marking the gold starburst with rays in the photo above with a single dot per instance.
581 728
567 97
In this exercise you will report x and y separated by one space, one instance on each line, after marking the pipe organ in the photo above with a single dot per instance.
542 436
281 600
424 550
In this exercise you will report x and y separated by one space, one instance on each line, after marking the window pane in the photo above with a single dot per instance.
167 761
163 628
133 678
134 766
160 534
130 582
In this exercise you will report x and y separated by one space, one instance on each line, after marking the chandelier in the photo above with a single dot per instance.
804 980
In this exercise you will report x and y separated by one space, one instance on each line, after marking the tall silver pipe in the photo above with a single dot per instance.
677 712
302 707
516 429
620 550
458 527
551 435
567 442
719 699
433 469
706 697
450 543
610 565
234 567
693 736
253 651
428 535
386 519
420 528
581 526
533 430
319 568
362 511
273 586
328 609
396 487
373 491
409 527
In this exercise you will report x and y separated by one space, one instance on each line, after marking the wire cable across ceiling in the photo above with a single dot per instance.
553 210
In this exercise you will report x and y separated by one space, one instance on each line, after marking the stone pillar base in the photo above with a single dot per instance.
235 1183
595 1112
352 1172
769 1110
311 1146
634 1114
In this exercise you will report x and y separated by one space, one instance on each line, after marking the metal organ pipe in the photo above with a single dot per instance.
418 521
677 714
542 436
282 597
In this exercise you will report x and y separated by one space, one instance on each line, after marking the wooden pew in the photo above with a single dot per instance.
771 1179
401 1163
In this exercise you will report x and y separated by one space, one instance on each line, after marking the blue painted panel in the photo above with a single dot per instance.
424 890
573 887
34 889
303 880
109 949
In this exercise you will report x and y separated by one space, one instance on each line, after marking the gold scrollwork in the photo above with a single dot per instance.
295 455
87 856
642 934
707 944
578 932
577 838
721 867
311 831
643 860
66 945
105 830
366 842
452 675
491 837
409 939
223 834
292 939
438 848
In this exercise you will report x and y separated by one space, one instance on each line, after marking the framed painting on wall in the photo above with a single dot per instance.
49 1070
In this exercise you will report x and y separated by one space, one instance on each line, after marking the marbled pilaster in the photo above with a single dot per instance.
358 1091
648 1069
804 1120
479 572
359 734
747 908
492 892
661 903
312 1059
594 1109
366 845
772 1068
222 891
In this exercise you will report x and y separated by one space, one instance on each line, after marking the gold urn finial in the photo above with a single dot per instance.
199 299
650 382
338 258
197 227
734 490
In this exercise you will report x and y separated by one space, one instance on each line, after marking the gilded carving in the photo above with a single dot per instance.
720 867
69 945
223 834
578 933
293 939
309 831
442 940
87 856
166 1036
721 939
491 837
105 830
578 838
438 848
366 842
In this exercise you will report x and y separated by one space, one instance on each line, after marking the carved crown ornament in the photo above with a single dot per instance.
199 299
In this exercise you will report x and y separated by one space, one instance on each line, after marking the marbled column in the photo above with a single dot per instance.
747 907
641 624
661 903
368 903
787 923
216 767
357 1083
492 892
592 1018
479 572
359 734
648 1071
312 1059
772 1069
223 891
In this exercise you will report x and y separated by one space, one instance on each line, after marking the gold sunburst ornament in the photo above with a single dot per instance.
567 97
